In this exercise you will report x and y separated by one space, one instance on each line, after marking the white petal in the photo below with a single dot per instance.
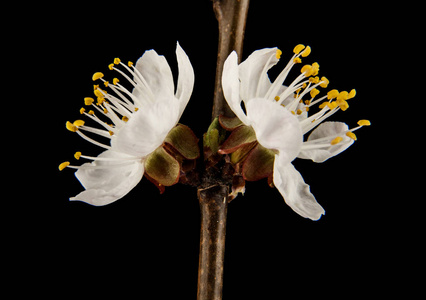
324 130
157 74
185 81
231 86
106 185
147 128
253 73
275 127
295 191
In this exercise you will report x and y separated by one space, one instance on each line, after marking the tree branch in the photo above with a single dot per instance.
213 206
231 16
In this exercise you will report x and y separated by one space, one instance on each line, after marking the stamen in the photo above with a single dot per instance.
336 140
278 54
298 48
351 135
64 165
332 94
88 101
97 75
364 123
77 155
306 52
92 140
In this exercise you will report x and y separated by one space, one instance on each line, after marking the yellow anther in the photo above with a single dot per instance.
111 133
297 60
307 69
117 60
344 95
298 48
332 94
278 54
315 69
106 83
314 79
306 52
130 64
299 111
100 101
336 140
125 119
325 82
77 155
352 94
364 123
277 98
322 105
78 123
307 102
111 66
343 104
88 100
91 112
136 109
115 81
70 126
82 110
95 86
64 165
98 93
105 111
314 92
97 75
293 112
351 135
331 105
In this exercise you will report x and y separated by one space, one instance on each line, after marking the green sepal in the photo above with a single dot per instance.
241 136
259 164
184 141
214 136
162 167
241 153
230 123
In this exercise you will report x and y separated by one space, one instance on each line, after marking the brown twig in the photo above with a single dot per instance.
214 189
231 16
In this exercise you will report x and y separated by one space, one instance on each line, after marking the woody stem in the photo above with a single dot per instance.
231 16
213 206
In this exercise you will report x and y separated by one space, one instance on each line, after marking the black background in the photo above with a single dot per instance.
147 244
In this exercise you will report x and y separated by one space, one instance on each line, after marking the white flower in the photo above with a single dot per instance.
280 118
139 123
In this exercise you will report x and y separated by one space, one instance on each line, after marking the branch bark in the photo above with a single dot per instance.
214 190
231 16
213 206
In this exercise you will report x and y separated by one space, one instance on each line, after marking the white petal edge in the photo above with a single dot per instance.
185 83
295 191
157 74
322 131
253 73
106 185
231 86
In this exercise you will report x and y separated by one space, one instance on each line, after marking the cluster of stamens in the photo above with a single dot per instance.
118 109
306 84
